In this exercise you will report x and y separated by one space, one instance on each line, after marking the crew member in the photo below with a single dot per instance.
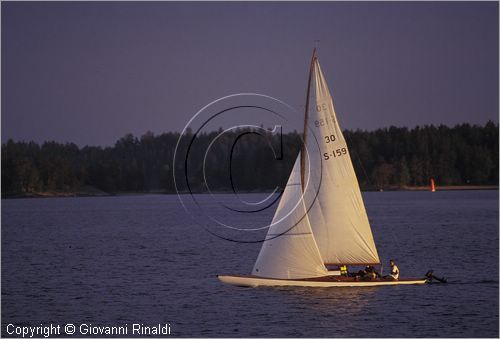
394 270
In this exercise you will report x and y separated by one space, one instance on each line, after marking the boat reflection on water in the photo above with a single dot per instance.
342 308
353 299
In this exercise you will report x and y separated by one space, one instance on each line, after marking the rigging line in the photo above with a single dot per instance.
359 160
370 183
399 249
396 240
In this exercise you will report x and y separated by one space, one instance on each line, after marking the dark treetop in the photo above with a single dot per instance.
384 158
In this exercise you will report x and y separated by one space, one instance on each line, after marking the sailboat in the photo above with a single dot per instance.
320 221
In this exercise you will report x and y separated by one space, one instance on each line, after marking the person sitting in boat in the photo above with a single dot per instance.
360 273
370 273
394 271
364 274
369 276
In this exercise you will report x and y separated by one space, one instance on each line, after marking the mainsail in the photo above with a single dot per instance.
338 216
331 225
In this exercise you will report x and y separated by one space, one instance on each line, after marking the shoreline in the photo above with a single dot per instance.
438 188
97 193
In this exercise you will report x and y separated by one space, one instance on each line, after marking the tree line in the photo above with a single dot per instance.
249 161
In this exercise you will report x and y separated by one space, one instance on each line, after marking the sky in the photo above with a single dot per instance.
90 72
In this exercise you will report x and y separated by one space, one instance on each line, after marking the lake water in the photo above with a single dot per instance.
112 261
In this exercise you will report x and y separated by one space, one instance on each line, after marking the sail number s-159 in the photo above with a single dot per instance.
337 153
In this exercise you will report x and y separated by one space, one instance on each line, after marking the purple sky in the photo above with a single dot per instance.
89 72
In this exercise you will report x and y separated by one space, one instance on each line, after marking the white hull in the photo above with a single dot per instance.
253 281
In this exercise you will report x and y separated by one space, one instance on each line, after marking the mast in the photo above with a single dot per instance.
306 117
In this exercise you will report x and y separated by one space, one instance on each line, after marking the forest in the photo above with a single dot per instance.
388 158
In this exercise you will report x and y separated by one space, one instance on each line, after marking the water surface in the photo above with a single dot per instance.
143 259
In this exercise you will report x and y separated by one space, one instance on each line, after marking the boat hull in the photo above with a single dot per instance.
254 281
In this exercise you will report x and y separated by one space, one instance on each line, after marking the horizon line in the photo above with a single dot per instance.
153 134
